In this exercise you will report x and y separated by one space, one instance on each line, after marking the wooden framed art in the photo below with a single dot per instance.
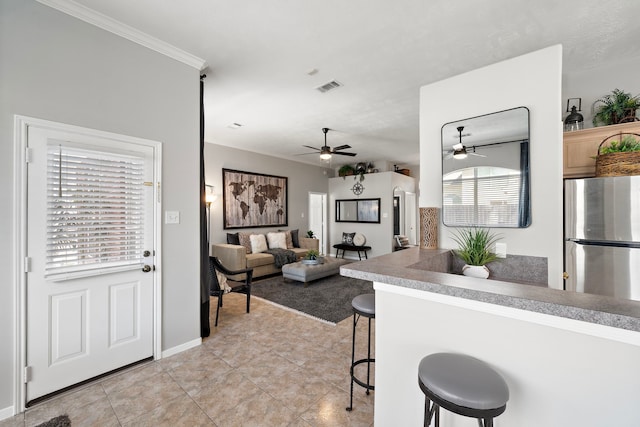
254 200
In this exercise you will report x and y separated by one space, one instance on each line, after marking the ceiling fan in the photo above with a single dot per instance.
460 151
326 152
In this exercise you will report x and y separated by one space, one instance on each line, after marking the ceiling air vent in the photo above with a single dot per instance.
333 84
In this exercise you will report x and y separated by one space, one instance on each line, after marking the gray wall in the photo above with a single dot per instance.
303 178
55 67
591 84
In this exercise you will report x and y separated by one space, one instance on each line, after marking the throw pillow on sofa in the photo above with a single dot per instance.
294 238
293 235
277 240
287 236
347 238
244 239
258 243
233 239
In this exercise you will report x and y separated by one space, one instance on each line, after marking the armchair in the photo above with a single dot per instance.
241 287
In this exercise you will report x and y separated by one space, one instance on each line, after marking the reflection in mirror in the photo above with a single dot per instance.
398 201
485 170
358 210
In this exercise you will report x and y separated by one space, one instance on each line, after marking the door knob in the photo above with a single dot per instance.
565 275
146 254
146 269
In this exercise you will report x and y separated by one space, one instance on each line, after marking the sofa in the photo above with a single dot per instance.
236 257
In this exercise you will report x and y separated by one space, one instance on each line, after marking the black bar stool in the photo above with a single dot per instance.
463 385
363 305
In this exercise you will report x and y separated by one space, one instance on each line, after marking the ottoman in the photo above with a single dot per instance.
305 273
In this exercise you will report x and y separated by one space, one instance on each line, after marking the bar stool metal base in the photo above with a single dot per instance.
433 403
368 360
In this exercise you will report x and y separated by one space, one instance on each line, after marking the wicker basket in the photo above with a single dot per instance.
618 164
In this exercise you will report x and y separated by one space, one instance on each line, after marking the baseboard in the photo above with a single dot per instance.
6 413
182 347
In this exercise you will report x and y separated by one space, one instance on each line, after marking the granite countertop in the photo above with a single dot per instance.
423 269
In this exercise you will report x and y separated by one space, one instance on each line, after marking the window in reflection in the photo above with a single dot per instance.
482 196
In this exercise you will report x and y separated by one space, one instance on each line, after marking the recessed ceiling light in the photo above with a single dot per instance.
234 126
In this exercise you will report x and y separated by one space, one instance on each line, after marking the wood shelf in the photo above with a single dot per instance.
581 146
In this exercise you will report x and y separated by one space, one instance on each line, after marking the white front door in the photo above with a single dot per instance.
90 234
318 218
411 218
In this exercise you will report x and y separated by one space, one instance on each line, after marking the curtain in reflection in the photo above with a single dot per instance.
525 199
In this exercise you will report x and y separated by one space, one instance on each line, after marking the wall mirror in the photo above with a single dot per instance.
485 170
358 210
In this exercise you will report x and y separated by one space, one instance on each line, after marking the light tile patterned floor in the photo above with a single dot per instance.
272 367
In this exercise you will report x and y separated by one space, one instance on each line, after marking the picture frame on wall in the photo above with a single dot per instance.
253 200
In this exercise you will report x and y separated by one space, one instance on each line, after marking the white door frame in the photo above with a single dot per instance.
20 136
325 225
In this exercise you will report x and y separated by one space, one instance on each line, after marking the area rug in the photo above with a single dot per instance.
328 299
60 421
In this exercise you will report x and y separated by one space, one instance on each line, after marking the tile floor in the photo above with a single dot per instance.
272 367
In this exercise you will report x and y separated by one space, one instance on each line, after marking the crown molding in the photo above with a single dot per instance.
100 20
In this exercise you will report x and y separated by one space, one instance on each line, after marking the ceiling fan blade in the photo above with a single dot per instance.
342 147
345 154
305 154
313 148
476 154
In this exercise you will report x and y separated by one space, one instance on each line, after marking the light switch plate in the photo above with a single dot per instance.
172 217
501 250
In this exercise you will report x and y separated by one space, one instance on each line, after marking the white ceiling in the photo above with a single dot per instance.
260 51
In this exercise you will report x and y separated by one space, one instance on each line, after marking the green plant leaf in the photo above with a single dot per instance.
474 245
627 144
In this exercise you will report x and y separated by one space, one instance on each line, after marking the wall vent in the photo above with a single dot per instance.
333 84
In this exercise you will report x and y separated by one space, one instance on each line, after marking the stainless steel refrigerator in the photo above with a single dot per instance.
602 236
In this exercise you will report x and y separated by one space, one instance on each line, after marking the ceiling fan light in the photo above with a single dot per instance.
325 156
460 154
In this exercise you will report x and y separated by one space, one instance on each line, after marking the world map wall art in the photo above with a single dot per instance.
254 199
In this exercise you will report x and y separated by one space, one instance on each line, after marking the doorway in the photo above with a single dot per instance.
89 295
318 218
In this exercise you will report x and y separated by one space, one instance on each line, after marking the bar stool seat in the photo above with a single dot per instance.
463 385
363 305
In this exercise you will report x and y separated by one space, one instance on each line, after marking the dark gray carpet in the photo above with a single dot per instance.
328 298
60 421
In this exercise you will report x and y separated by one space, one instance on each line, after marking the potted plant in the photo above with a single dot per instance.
310 234
617 107
619 157
312 257
627 144
475 249
346 170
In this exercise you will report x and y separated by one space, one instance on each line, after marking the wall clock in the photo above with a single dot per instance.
357 189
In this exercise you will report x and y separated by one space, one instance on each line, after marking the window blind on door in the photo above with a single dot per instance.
95 210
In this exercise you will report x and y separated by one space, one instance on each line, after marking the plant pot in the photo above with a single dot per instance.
623 163
629 115
478 271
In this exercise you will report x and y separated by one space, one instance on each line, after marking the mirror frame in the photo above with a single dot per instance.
524 215
359 209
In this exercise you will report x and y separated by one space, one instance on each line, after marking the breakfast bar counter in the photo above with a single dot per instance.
568 358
